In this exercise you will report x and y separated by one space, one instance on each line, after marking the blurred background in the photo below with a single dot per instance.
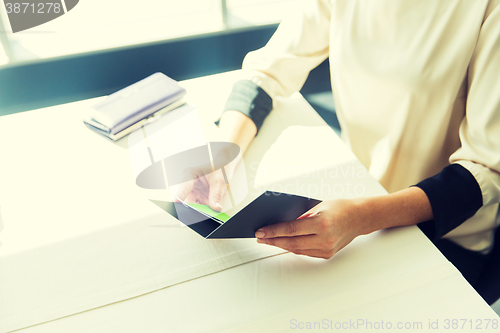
102 46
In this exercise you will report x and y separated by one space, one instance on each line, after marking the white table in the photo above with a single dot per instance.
62 185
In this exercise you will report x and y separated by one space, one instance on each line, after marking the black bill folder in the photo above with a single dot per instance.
267 209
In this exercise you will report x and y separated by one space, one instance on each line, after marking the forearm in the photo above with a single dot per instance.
237 128
407 207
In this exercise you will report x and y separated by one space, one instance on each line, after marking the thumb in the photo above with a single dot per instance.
217 191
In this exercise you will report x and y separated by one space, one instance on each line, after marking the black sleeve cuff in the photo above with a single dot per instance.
250 99
455 196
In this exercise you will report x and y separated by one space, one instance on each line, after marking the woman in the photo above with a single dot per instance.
417 92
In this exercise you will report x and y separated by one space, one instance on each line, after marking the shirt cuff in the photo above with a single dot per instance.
251 100
455 196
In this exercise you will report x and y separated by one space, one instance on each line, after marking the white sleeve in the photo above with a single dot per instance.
480 129
298 46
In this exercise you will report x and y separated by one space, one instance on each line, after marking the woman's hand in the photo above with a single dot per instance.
207 187
321 232
203 188
327 228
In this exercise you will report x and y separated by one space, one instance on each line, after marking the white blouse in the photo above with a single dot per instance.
416 85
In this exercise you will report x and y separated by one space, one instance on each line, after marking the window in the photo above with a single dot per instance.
258 12
97 25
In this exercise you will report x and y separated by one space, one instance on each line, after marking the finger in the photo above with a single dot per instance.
183 190
311 212
288 229
324 254
317 253
217 191
200 191
306 215
307 242
293 244
196 198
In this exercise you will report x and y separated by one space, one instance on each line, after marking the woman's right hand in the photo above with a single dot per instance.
203 188
209 188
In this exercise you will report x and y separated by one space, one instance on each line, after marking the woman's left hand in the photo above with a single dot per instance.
321 232
327 228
